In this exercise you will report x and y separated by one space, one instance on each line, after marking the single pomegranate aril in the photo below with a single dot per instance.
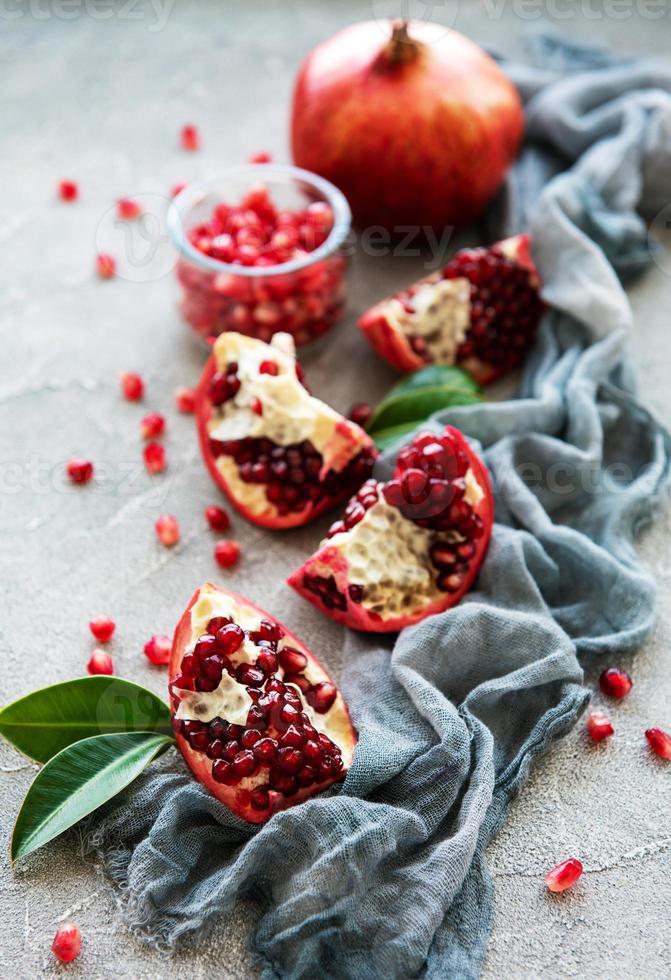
68 190
105 266
132 386
564 875
246 734
659 741
599 726
167 530
67 942
436 511
152 425
100 663
217 518
360 413
79 470
157 650
261 157
154 457
615 683
190 138
102 628
177 188
269 367
127 209
185 400
226 553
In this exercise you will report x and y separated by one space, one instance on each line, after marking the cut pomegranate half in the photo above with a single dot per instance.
409 548
481 311
281 456
257 718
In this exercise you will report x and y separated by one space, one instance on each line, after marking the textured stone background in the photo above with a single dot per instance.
102 100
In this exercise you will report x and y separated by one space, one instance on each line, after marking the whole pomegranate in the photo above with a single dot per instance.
413 122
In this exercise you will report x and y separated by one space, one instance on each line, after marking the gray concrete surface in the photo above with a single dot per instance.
102 100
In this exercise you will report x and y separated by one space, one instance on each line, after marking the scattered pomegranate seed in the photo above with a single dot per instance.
256 406
177 188
127 209
185 399
153 424
599 726
360 413
190 138
167 530
79 470
100 663
564 875
615 683
105 266
154 457
659 741
68 190
67 942
132 386
226 553
157 650
102 628
217 518
269 367
262 157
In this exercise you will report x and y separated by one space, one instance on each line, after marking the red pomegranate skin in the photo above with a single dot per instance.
413 133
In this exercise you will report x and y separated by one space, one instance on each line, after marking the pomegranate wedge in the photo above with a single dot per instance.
281 456
407 548
481 311
257 718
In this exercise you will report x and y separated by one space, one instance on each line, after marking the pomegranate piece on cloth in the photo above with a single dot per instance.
481 311
280 455
256 716
409 547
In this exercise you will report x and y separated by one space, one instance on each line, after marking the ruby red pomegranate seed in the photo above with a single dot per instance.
185 400
599 726
217 518
167 530
157 650
105 266
269 367
154 457
67 942
132 386
261 157
127 209
100 663
615 683
102 628
360 413
190 138
564 875
177 188
152 425
68 190
79 470
226 553
659 741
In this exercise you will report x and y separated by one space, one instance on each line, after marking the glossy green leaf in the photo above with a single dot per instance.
436 375
415 406
77 781
46 721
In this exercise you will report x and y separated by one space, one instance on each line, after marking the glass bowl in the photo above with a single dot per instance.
304 296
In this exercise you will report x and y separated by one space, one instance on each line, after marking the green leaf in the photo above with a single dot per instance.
421 394
77 781
387 437
46 721
436 375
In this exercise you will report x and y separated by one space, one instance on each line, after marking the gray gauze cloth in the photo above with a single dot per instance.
386 875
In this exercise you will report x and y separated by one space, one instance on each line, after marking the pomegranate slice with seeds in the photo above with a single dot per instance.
281 456
481 311
257 718
409 548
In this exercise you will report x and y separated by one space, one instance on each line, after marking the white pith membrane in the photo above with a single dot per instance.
388 554
441 317
230 700
290 414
